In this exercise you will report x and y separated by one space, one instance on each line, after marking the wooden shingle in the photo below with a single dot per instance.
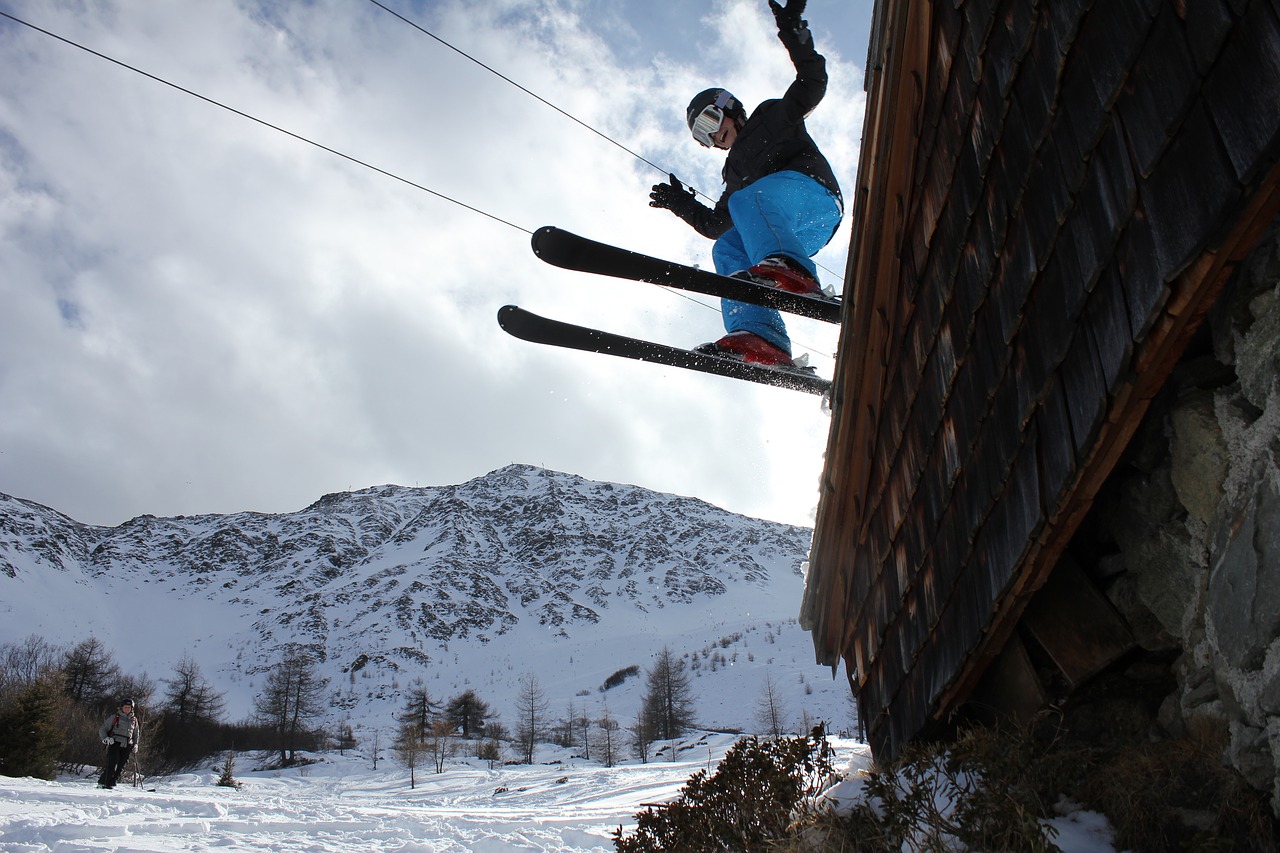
1047 187
979 16
1110 38
1009 41
995 204
1111 193
1013 280
1241 91
1057 448
985 122
1161 90
1036 84
1144 286
1188 192
1108 316
1208 23
1088 239
1085 389
1064 17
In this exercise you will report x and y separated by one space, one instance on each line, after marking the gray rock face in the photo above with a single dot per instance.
1197 520
1256 335
1198 455
1243 608
1159 552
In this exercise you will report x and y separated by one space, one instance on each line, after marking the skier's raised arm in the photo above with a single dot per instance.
811 68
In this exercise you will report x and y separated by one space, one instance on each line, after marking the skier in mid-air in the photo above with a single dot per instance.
781 203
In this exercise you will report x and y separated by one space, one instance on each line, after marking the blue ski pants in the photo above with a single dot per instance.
786 213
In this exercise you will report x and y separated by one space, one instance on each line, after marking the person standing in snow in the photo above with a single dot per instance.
121 732
781 203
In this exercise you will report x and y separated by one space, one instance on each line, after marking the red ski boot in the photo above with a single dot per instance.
749 347
783 273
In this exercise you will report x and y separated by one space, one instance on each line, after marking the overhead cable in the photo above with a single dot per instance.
265 123
528 92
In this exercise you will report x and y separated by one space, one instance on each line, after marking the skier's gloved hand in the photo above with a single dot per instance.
788 16
790 24
673 196
106 741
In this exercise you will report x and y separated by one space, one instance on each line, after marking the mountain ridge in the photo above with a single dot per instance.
391 581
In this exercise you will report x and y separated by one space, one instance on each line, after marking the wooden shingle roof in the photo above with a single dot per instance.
1050 197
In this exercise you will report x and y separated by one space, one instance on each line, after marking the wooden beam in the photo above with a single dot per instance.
1076 625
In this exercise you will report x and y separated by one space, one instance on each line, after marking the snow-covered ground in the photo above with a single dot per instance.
564 805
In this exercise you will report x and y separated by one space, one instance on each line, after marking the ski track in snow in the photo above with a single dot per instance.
340 804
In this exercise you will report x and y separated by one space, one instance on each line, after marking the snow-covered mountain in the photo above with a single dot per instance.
521 571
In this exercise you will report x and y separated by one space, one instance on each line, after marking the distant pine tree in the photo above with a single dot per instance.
228 777
419 711
468 714
292 698
771 710
531 716
668 700
410 749
609 738
30 738
189 697
346 737
91 676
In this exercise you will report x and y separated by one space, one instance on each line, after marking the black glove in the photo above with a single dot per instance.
673 196
789 20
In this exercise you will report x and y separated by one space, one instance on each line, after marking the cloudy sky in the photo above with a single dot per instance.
200 314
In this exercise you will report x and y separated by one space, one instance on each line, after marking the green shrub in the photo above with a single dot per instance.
751 799
980 791
30 738
619 677
227 779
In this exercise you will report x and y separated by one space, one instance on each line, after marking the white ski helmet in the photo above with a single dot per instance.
707 110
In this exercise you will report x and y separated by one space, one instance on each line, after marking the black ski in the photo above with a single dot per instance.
565 249
530 327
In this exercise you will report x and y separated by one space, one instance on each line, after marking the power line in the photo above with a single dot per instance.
302 138
265 123
528 92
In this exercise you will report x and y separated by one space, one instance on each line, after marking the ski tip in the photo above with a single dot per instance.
555 246
505 313
509 320
515 321
540 237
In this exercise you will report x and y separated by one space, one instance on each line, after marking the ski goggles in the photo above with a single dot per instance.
710 119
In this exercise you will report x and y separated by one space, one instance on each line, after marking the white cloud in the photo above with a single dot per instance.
205 315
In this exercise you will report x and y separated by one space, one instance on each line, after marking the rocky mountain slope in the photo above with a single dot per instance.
520 570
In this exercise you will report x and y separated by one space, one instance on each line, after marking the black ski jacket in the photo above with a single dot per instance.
774 139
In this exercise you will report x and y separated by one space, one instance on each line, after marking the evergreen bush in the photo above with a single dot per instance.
30 737
751 800
228 779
